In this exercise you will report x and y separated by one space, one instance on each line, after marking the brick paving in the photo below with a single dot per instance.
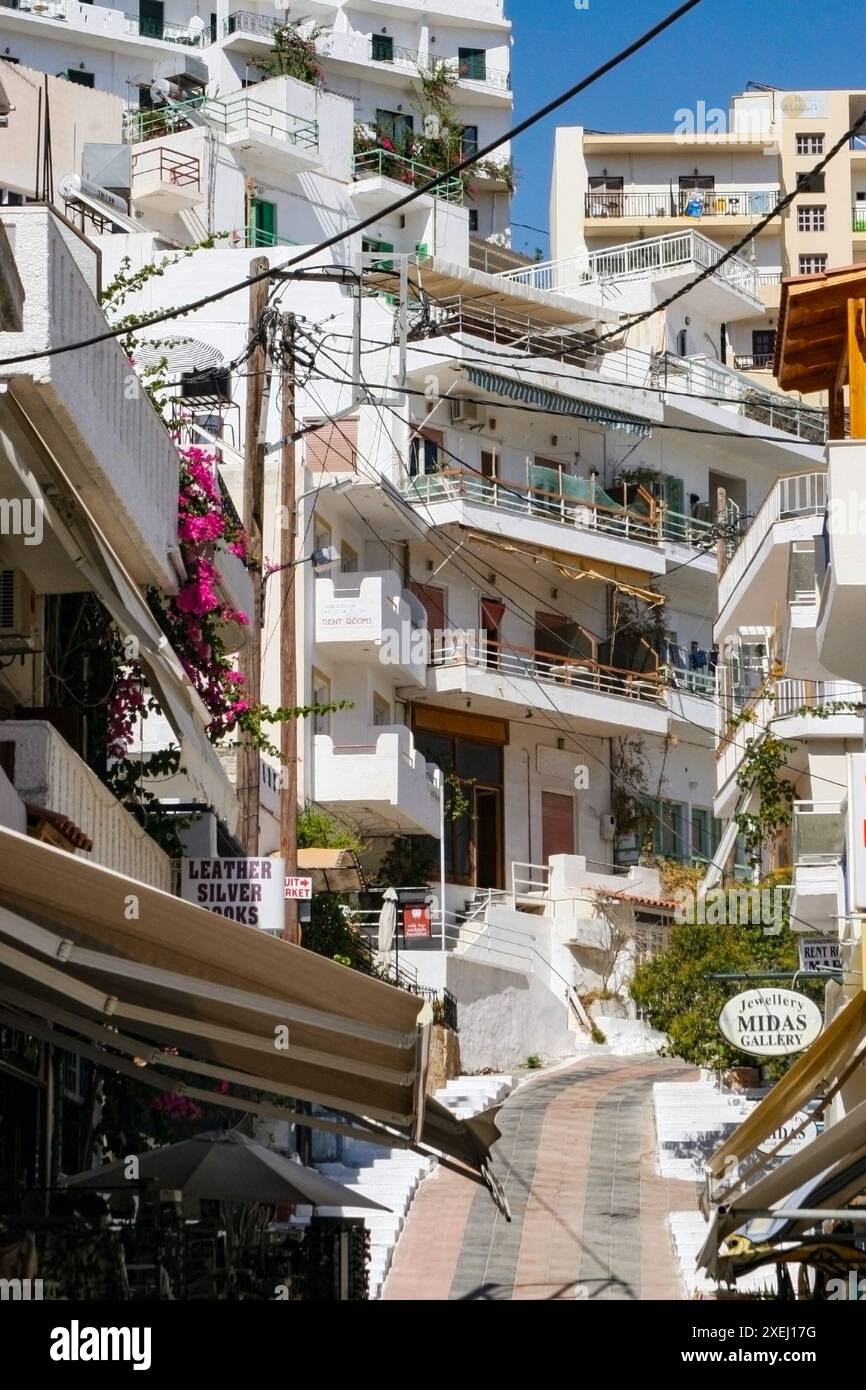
589 1214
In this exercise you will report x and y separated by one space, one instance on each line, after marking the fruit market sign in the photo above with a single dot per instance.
770 1022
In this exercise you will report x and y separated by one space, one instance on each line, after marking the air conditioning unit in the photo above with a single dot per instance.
468 413
18 632
606 826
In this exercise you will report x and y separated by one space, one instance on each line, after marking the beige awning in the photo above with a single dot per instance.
158 988
332 870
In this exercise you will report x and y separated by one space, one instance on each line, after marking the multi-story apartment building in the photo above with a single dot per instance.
720 172
374 60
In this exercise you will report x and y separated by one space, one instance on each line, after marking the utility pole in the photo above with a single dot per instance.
248 771
288 636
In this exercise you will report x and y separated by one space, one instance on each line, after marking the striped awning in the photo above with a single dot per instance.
556 402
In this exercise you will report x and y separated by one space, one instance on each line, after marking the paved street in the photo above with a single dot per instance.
588 1212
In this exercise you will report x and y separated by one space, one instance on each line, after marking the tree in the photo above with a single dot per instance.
330 932
680 1001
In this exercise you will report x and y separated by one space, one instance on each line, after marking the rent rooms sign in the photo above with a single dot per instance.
770 1022
247 890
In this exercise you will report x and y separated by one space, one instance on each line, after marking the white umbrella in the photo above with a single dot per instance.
387 924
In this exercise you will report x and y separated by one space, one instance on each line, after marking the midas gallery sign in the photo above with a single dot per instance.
770 1022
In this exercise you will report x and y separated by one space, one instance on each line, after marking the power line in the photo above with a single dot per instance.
376 217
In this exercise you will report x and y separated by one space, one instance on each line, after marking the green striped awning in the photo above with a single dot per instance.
556 402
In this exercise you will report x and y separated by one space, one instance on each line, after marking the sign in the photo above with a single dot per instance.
348 616
820 953
246 890
770 1022
790 1145
857 799
298 887
416 920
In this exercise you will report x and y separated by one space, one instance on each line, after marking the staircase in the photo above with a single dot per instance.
391 1176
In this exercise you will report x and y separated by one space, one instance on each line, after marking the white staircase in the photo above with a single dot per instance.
391 1176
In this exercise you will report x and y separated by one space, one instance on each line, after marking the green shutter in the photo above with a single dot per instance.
264 223
472 64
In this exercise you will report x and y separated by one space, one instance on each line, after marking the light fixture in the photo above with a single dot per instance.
528 714
554 593
81 65
399 108
384 30
604 173
324 558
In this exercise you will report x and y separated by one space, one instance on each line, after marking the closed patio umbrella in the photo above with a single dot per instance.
226 1166
387 924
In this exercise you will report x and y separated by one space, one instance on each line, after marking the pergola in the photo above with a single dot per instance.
821 342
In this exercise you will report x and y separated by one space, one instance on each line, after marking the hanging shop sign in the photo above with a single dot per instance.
770 1022
246 890
416 920
298 887
787 1137
819 954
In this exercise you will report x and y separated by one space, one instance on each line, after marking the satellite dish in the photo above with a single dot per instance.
162 90
195 28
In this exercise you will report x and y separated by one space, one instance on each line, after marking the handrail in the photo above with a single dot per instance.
454 648
171 166
232 115
664 202
794 494
388 164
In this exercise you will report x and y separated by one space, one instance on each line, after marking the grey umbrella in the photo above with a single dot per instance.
227 1166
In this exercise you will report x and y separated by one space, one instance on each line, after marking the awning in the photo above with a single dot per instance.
332 870
817 1068
556 402
162 990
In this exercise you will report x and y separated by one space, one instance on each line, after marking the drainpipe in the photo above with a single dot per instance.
442 852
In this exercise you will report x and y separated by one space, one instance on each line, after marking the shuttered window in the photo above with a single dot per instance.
333 448
557 824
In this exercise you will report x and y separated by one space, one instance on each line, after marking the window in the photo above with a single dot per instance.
810 183
151 15
348 558
473 219
810 144
469 142
332 448
263 223
425 452
381 711
472 64
213 28
689 182
321 693
383 48
763 346
396 127
488 463
706 833
812 218
813 264
81 79
321 534
668 832
605 196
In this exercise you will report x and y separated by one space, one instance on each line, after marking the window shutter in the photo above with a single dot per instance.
557 824
333 448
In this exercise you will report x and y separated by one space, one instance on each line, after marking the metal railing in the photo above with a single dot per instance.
793 695
858 217
166 32
706 376
43 9
750 362
169 166
248 22
452 647
234 115
386 164
529 880
798 494
254 237
674 202
638 260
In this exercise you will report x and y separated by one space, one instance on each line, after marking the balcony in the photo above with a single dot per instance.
103 25
730 206
664 257
190 35
758 569
258 130
507 681
115 449
245 31
817 709
819 839
380 177
371 617
478 81
384 783
858 218
48 773
763 362
166 179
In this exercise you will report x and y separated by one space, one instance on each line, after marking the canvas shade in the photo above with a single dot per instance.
225 1166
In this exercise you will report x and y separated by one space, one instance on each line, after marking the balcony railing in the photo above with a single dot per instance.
248 22
232 116
674 203
168 166
799 494
638 260
794 696
454 648
819 830
705 376
858 218
751 362
385 164
182 34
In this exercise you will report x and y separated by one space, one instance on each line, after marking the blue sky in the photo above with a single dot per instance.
709 55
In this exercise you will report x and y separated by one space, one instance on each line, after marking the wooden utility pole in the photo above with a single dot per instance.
248 771
288 636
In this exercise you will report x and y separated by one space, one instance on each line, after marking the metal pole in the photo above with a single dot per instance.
442 854
288 635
